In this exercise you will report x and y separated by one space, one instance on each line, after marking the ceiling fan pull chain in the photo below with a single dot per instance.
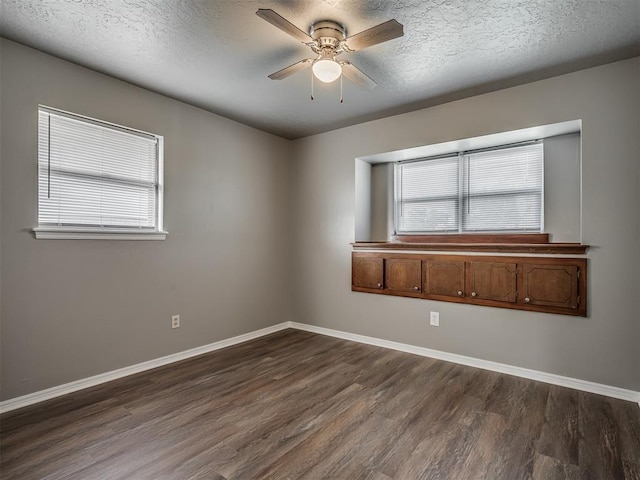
341 97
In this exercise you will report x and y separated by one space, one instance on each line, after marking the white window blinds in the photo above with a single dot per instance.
96 175
427 196
503 190
497 190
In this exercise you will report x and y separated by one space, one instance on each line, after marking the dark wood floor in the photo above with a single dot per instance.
298 405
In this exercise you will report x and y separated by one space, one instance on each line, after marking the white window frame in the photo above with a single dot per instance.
462 157
75 232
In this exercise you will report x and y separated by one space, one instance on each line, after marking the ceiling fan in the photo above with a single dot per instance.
328 39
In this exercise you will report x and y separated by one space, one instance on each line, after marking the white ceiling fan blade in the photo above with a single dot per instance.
356 75
291 69
380 33
283 24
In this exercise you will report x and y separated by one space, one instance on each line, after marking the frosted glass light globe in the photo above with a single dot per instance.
326 70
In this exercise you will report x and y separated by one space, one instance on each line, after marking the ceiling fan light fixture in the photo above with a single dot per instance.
328 39
326 70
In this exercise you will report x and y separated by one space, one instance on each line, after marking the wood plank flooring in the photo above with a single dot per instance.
296 405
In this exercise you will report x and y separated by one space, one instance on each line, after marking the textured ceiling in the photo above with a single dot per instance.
217 54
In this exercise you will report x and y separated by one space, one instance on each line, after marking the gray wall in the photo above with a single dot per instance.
602 347
260 231
363 192
382 203
76 308
562 180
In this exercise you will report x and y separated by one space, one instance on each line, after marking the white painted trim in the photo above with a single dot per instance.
43 233
577 384
551 378
49 393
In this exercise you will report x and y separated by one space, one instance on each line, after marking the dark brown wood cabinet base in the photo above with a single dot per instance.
539 284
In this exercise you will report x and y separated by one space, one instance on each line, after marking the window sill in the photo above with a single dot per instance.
43 233
493 238
541 248
533 243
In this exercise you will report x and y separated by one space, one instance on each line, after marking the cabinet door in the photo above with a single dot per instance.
366 271
403 274
444 278
550 285
492 281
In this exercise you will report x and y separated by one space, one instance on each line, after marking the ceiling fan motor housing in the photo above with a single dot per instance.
328 34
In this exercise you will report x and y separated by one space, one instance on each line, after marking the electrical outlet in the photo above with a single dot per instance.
175 321
434 319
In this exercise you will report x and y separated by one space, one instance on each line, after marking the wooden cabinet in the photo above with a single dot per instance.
444 278
403 274
552 285
367 271
395 275
492 281
541 284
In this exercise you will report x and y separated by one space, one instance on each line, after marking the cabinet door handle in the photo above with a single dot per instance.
474 294
379 285
527 300
416 289
460 293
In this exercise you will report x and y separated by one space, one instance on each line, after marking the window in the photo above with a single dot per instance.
97 180
491 190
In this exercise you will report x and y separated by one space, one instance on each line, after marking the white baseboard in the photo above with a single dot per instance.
577 384
551 378
53 392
